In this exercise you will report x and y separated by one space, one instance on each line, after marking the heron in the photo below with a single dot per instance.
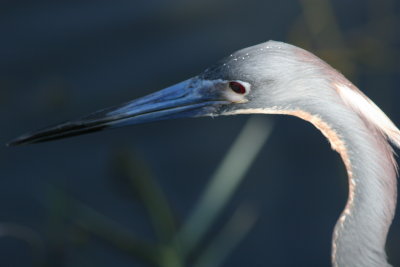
279 78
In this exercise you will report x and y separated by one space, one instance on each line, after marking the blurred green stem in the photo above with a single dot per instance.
224 182
231 235
156 204
27 235
321 21
152 197
99 225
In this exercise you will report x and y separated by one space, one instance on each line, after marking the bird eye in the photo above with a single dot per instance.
237 87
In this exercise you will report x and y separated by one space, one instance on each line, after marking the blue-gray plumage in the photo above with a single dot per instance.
277 78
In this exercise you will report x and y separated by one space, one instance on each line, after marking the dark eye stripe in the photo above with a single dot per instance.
237 87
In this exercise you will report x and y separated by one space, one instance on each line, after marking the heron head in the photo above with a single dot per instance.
267 76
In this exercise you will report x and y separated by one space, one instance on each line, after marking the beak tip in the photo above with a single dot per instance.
10 144
25 139
15 142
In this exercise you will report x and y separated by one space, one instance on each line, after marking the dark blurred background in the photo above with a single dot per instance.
65 203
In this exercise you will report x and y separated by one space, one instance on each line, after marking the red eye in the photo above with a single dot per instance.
237 87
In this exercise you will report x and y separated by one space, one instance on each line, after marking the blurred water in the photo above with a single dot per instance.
59 60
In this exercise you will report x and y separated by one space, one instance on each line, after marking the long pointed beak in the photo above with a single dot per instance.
191 98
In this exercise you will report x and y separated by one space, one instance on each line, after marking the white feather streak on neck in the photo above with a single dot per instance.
370 111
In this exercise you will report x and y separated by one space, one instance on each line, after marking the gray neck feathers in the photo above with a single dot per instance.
360 234
358 130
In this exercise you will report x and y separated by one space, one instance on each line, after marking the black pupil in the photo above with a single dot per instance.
237 87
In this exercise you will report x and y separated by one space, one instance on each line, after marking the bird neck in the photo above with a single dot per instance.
360 233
